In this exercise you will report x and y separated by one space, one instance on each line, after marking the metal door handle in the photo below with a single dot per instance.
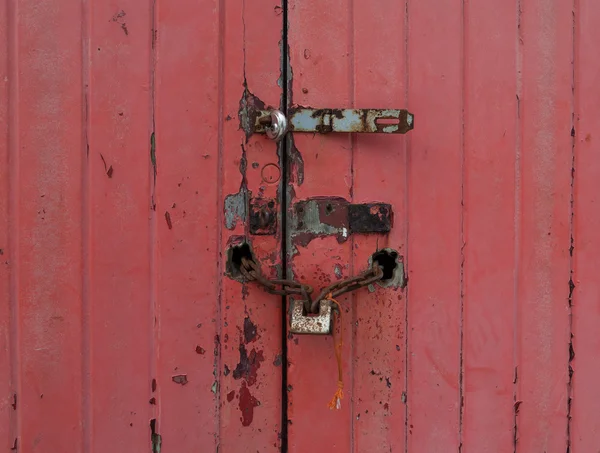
322 121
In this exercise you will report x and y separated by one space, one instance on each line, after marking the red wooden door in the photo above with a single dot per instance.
123 178
128 173
491 347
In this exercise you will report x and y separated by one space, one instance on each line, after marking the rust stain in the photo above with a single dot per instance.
200 350
231 396
247 405
168 219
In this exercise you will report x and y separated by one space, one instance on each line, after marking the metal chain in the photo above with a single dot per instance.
252 272
371 275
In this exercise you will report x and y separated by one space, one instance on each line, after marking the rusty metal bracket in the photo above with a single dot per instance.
322 216
302 323
262 216
323 121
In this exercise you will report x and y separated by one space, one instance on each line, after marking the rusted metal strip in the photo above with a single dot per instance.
325 216
384 121
323 121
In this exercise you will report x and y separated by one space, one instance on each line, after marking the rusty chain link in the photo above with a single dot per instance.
252 272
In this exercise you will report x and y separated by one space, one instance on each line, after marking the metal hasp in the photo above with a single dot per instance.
324 121
334 216
302 323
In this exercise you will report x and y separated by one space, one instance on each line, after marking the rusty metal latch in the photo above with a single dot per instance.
323 121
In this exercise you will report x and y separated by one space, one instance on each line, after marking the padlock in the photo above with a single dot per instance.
317 324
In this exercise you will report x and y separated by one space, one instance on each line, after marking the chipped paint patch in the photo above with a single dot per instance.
248 365
250 106
180 379
247 405
337 270
296 163
155 438
236 208
250 330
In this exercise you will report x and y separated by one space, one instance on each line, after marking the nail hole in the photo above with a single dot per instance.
328 208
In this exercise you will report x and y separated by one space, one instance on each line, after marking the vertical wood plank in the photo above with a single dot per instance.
379 175
250 319
188 135
489 205
543 264
48 215
119 209
585 410
6 326
434 215
320 166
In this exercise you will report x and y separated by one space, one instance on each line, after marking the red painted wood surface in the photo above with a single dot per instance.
123 169
120 143
482 192
585 413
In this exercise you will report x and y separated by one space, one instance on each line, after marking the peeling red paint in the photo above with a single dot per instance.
250 330
247 405
180 379
248 366
231 396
